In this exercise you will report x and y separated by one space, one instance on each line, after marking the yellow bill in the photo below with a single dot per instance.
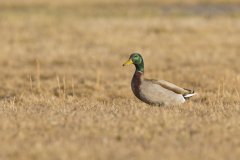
128 62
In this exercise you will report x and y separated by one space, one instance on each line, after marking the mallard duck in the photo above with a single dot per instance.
155 92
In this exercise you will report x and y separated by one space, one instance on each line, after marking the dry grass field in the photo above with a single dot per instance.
65 95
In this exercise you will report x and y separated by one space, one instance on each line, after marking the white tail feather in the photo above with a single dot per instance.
189 95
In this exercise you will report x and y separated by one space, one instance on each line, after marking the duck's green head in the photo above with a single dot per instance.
137 60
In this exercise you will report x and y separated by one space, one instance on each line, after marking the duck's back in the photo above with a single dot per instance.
153 93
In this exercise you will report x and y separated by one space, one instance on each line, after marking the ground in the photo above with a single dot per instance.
65 95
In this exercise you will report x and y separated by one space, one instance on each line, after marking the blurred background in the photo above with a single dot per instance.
81 40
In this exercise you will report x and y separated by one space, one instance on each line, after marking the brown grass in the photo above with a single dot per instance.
65 95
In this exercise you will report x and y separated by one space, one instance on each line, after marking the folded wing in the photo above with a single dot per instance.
187 93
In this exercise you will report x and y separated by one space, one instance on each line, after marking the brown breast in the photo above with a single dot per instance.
136 82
